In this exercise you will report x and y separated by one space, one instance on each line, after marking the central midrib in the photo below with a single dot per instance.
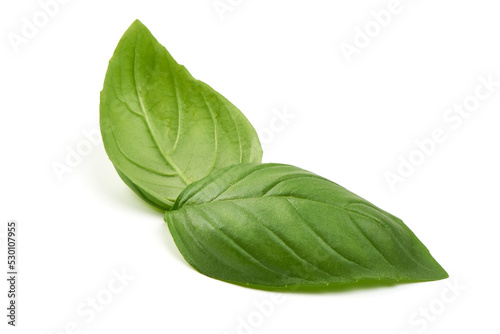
169 161
183 176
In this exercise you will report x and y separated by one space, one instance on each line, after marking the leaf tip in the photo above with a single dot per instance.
137 23
137 27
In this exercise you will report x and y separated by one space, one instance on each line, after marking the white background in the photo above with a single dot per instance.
352 122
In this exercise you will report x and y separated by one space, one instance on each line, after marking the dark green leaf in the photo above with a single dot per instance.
278 225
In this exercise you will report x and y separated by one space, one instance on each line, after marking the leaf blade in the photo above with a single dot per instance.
304 229
162 128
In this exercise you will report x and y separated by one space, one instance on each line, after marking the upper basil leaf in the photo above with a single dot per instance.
278 225
163 129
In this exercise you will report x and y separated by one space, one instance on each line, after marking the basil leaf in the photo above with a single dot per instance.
163 129
279 225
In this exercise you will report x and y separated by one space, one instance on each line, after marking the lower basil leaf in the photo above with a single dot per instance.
278 225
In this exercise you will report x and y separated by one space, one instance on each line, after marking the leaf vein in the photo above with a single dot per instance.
321 238
283 243
182 176
364 235
249 255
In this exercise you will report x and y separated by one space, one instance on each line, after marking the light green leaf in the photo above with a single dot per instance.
278 225
163 129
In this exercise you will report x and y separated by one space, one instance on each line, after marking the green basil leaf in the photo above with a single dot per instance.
163 129
279 225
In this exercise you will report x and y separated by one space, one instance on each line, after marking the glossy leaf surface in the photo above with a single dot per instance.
279 225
